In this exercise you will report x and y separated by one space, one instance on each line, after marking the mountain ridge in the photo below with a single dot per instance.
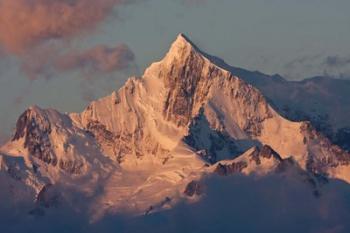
158 133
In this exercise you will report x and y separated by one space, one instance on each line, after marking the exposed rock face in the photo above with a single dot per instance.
35 129
328 156
229 169
342 138
124 132
266 160
193 188
265 152
51 137
192 80
285 164
71 166
254 158
105 138
17 181
214 144
186 85
13 166
324 101
48 196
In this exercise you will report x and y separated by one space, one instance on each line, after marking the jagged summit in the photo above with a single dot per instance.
183 41
34 108
182 38
182 48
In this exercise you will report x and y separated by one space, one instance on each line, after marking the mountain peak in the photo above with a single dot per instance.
34 109
182 47
182 38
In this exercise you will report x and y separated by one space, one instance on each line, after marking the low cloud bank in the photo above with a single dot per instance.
232 204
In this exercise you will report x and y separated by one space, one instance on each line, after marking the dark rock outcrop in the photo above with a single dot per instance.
213 144
255 156
48 196
193 188
229 169
331 156
35 129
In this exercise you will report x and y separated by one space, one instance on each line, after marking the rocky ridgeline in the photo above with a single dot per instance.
256 156
185 116
330 156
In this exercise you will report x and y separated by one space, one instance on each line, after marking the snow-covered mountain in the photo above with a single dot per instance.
324 101
148 145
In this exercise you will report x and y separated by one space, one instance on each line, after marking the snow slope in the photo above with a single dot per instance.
324 101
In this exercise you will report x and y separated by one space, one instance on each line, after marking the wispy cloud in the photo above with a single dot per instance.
26 23
39 63
273 203
337 61
38 33
318 64
100 58
49 60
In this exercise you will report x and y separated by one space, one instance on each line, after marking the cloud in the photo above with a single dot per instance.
315 65
275 203
99 58
302 60
39 63
337 61
51 59
249 204
37 31
26 23
100 61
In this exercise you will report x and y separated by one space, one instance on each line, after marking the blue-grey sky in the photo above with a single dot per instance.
295 38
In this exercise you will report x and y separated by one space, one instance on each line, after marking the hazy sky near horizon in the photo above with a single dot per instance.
65 60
